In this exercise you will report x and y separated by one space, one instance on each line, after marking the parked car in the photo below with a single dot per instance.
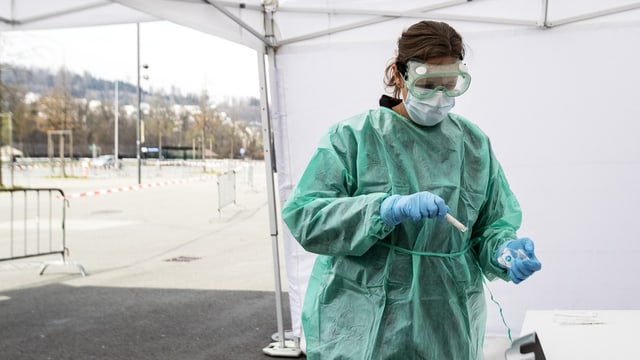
104 162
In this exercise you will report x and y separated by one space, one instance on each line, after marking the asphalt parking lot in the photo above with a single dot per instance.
168 275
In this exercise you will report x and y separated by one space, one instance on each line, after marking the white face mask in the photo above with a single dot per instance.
430 111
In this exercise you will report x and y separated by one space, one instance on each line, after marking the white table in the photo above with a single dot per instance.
586 335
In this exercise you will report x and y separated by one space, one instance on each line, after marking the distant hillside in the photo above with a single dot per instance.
42 81
226 128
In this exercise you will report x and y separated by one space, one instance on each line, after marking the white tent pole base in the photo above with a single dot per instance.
276 349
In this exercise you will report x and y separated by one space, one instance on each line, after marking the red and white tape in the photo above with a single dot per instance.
132 187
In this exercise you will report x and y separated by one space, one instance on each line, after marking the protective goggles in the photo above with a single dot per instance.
424 80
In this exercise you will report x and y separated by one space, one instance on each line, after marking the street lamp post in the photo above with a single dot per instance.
115 132
139 110
139 136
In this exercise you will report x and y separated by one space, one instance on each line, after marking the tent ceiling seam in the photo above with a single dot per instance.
220 7
60 13
371 21
11 22
593 15
480 19
241 5
336 11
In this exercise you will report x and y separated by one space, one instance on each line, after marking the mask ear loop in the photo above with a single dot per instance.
400 76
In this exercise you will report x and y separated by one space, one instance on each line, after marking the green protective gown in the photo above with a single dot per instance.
413 291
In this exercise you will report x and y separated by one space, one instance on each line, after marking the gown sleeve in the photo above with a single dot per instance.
498 221
325 213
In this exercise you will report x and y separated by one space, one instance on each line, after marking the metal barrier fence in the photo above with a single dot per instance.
33 224
226 189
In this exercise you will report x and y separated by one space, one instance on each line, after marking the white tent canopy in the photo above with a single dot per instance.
554 87
301 20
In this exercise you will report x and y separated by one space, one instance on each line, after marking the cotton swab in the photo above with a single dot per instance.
455 223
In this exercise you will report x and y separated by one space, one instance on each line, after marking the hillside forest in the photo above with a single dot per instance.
44 104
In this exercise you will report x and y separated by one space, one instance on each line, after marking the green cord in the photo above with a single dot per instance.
424 253
457 253
484 281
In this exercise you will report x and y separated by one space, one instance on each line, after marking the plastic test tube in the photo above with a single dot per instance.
455 223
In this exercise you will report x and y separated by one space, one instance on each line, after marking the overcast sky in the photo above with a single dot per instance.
176 55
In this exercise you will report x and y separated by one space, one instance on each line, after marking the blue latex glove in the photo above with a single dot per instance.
519 258
398 208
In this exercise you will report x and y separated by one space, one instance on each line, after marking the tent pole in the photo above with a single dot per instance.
593 15
283 347
139 120
545 14
237 20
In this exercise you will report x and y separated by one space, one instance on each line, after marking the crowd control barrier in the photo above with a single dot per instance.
226 189
33 224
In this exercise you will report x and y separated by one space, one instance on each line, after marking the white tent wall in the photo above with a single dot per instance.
560 107
569 148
